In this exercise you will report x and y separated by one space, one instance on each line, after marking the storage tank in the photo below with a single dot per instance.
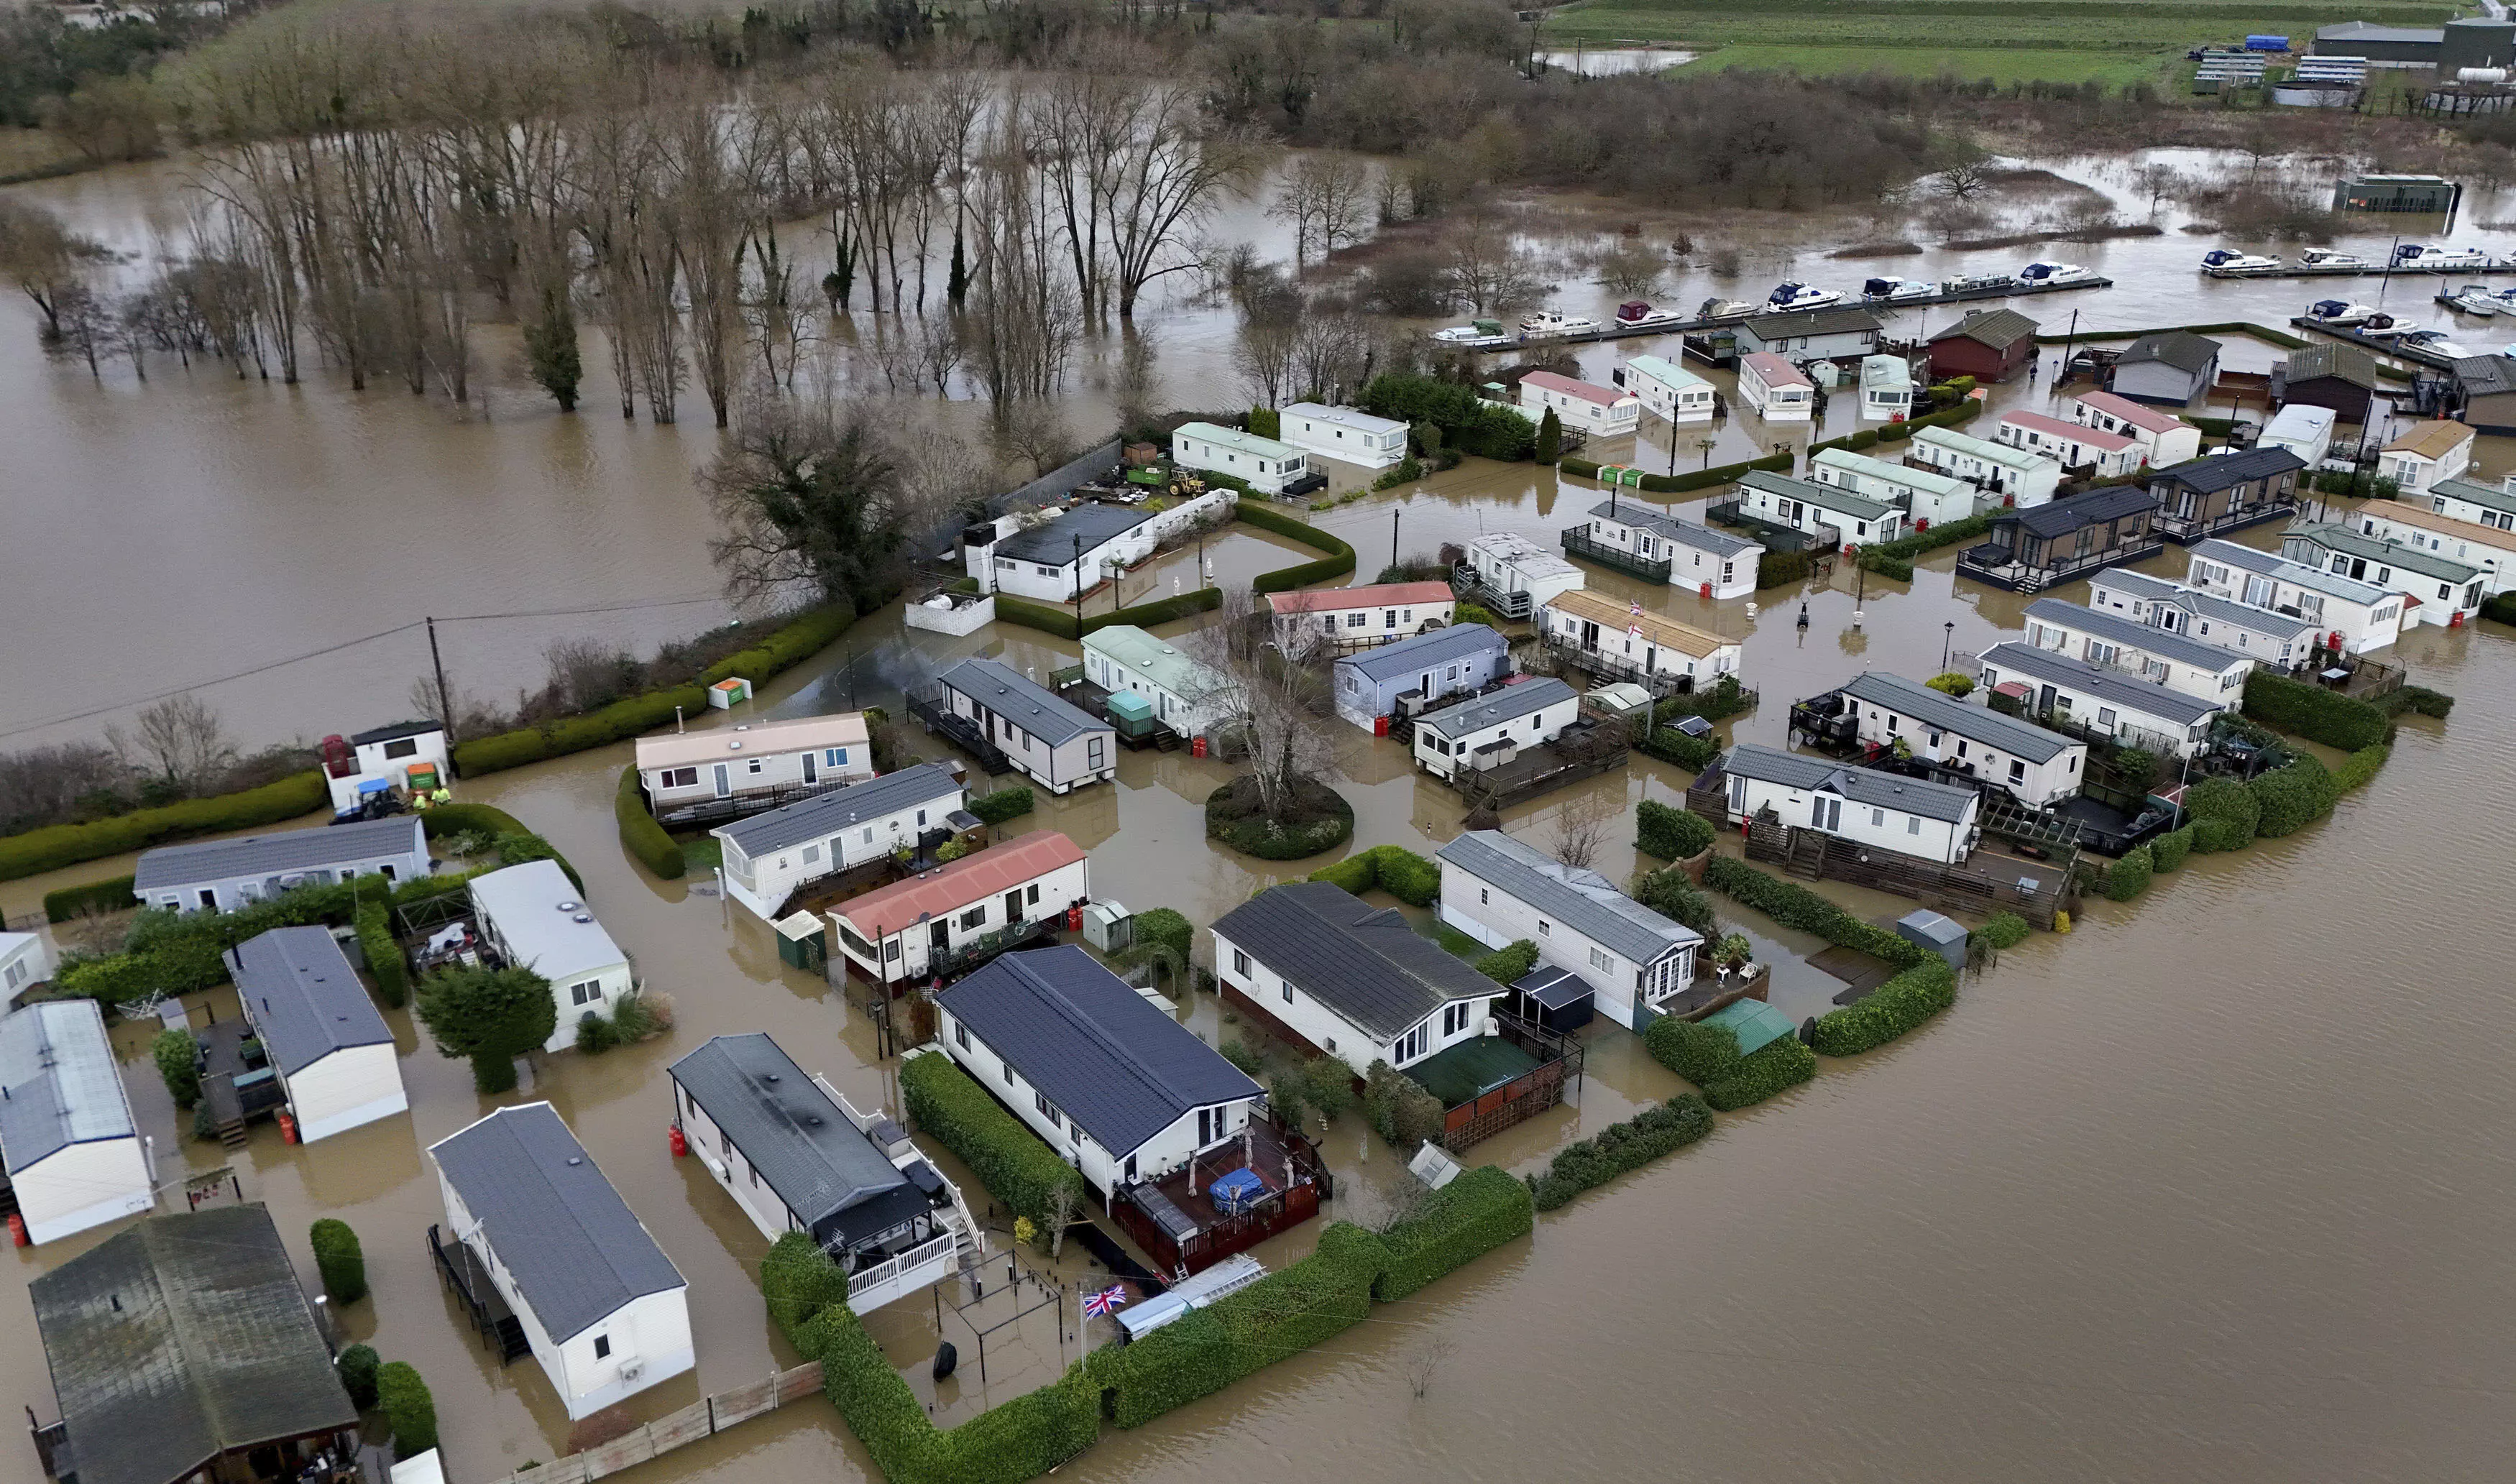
2476 42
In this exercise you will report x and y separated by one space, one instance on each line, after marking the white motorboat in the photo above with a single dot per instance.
2412 255
1975 283
2381 326
2229 260
2434 342
1724 308
1636 314
2045 275
1896 290
1555 322
1800 296
1488 333
2340 312
2475 298
2327 256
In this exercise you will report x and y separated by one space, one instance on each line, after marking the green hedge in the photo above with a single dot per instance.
1774 1067
2292 795
1904 549
1013 1441
639 835
384 964
1412 878
2001 930
1699 478
1776 569
1889 1011
1725 698
2224 814
1693 754
2128 876
1795 906
797 639
2168 851
1667 832
1012 1161
2501 609
1657 1130
111 895
407 1408
1060 622
1463 1220
1698 1052
1004 804
798 1281
1963 412
178 1065
1670 894
2420 701
340 1260
1337 564
1255 835
2360 767
357 1366
54 847
1509 963
1168 928
1046 619
2315 713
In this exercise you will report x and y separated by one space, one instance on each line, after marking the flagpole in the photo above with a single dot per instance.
1082 1331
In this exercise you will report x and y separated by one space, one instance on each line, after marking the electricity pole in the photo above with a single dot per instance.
436 662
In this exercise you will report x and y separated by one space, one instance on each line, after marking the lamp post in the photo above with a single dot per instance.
1946 640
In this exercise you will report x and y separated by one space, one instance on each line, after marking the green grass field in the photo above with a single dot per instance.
2114 41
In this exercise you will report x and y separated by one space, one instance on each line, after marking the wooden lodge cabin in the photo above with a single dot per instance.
2035 549
2206 497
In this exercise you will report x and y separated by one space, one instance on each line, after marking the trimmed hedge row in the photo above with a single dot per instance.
2001 930
1693 754
385 963
1707 1055
407 1407
2168 851
1895 559
1660 1129
1670 894
2360 767
640 834
1478 1212
1004 804
1678 484
1012 1161
2419 700
798 1281
1774 569
1338 562
2314 713
1010 1442
110 895
1048 618
2129 875
2292 795
1774 1067
1667 832
54 847
1795 906
1895 432
1889 1011
2224 814
339 1258
1510 963
1029 614
1412 878
1726 698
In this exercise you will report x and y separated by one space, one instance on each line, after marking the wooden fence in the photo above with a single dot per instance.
703 1418
2033 890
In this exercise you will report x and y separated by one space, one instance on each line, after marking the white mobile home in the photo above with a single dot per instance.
1661 653
1884 811
1052 558
1605 412
2009 476
1342 620
1189 696
1500 892
1344 433
1491 731
2481 504
2134 712
1698 556
2195 667
1054 742
1328 971
1122 1091
395 761
2302 429
223 875
329 1047
1929 497
1886 388
1429 667
1668 389
1517 574
2431 453
532 916
2489 549
2361 615
797 1156
73 1154
932 921
606 1311
1835 516
2041 767
770 857
25 963
2164 438
1269 466
1775 390
761 761
2070 444
2449 591
2281 641
1842 333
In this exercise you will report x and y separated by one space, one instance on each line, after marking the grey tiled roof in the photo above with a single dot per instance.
2486 496
1508 704
2331 536
2109 686
1363 963
1863 786
1051 543
302 997
2281 568
2131 634
2223 470
1580 899
1997 328
1438 647
2060 517
1660 523
181 1338
1937 708
2181 349
2480 375
786 1126
273 854
825 814
62 1085
1107 1060
1022 700
2346 363
573 1248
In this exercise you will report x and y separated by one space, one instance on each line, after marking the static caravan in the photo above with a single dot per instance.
2488 505
1189 696
2430 453
1846 332
1325 970
1518 573
2009 476
1344 433
2110 641
770 857
1342 620
25 963
1660 653
2071 445
1775 390
532 916
2041 767
2280 640
330 1049
757 762
223 875
2170 368
1052 558
2302 429
2134 712
1427 668
1669 389
2450 592
1500 892
606 1313
1054 742
1638 538
2359 615
1835 516
1264 464
1930 498
1886 388
935 922
2164 437
73 1154
1490 730
1605 412
1883 811
1987 345
2226 491
2488 548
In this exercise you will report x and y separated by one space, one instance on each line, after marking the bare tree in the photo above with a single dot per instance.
1964 181
1262 352
1631 270
1065 1203
1326 202
182 738
1487 269
2157 183
1424 1363
1269 699
1034 434
1331 356
1582 828
43 258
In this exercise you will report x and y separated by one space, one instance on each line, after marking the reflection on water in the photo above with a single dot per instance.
1611 62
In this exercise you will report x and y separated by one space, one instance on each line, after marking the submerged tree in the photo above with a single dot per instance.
805 500
489 1016
550 349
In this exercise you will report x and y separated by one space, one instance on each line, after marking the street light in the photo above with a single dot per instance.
1946 640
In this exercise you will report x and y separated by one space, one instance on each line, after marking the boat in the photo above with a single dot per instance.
2474 299
2381 326
1634 313
1717 307
2339 312
1555 322
2046 275
2327 256
1975 283
2229 260
1483 333
2433 342
1800 296
2412 255
1896 290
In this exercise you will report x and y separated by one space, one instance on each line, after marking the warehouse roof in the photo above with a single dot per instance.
278 853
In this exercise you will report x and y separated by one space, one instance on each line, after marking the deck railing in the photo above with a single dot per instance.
1579 542
897 1271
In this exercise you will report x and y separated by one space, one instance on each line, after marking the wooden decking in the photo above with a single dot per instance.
1499 1091
1288 1165
1574 755
459 1267
1988 883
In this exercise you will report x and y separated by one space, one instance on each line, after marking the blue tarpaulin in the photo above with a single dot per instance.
1237 1191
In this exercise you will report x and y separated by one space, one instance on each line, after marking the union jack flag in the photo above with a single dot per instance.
1097 1306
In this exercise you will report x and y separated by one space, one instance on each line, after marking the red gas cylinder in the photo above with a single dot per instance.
1922 526
2335 642
1075 920
1197 747
287 1128
1380 727
1703 590
2454 621
680 1141
17 1230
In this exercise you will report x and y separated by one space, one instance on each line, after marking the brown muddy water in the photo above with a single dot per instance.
2214 1187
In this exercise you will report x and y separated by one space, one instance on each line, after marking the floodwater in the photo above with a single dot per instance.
2212 1189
